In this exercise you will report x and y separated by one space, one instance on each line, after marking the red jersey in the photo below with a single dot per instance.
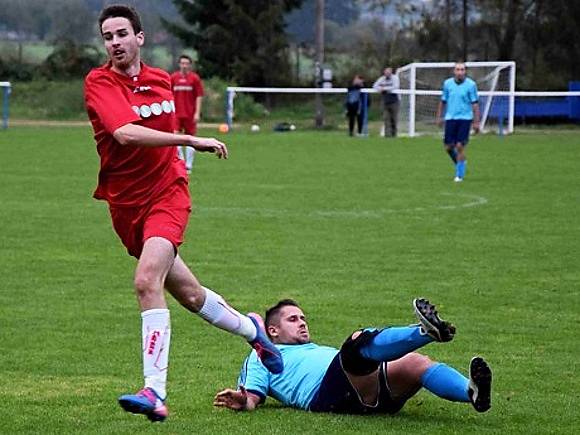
186 89
132 175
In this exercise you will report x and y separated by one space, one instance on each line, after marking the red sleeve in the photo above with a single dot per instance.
198 86
103 96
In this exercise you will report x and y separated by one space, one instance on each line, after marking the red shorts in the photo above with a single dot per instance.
165 216
187 125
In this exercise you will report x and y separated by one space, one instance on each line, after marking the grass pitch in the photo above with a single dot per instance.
352 229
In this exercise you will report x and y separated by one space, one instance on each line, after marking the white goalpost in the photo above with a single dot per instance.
5 89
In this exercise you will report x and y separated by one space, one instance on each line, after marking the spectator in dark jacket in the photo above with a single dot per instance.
354 104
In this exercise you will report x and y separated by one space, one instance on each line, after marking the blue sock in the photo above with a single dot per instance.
393 343
458 169
463 168
446 382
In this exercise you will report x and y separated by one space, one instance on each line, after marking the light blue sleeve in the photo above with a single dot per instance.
473 96
445 93
254 376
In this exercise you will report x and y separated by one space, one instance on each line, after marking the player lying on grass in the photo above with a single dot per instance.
375 371
131 108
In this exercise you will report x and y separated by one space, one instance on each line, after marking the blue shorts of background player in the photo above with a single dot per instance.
457 131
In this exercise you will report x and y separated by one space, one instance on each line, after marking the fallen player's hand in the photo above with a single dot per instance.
232 399
210 145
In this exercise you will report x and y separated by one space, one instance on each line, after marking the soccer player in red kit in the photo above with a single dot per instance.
188 93
131 108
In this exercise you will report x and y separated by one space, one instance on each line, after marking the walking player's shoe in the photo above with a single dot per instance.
479 384
145 402
267 352
431 323
458 179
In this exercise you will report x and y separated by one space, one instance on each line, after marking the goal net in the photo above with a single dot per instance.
421 85
5 89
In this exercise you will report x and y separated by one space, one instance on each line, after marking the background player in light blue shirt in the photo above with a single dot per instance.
460 105
375 371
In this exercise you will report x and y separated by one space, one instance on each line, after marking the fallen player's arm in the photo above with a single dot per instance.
238 400
137 135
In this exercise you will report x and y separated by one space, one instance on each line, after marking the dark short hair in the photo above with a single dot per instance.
123 11
273 312
185 56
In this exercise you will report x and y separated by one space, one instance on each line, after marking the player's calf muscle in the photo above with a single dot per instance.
190 295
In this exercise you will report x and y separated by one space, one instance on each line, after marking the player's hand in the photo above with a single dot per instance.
210 145
232 399
476 127
439 122
196 117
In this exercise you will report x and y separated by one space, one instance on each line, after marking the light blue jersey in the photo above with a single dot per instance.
304 368
459 98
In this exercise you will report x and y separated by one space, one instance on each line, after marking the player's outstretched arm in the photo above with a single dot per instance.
238 400
137 135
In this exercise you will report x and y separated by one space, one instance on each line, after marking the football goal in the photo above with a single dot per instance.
421 84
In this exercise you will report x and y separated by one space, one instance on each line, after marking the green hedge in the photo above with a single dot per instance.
63 100
44 99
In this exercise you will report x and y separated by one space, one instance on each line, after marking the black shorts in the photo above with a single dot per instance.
457 131
336 394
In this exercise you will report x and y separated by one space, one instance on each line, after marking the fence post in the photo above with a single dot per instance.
5 105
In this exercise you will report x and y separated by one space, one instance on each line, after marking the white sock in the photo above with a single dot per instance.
189 153
217 312
156 337
180 152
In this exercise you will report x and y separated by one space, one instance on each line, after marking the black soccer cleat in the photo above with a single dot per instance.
431 323
479 384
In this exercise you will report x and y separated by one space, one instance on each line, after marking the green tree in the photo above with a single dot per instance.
241 40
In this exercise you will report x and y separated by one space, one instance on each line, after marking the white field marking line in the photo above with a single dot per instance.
475 201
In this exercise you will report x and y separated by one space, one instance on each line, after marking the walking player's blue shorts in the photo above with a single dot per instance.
457 131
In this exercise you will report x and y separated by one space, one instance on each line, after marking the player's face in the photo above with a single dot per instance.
292 327
459 71
184 65
121 42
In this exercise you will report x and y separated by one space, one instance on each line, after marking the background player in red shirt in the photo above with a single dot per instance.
188 93
131 108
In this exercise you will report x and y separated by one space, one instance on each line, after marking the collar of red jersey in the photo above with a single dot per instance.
142 68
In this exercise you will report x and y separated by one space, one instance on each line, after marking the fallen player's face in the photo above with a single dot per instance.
292 328
121 42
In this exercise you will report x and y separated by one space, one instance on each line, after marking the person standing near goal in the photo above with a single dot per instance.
130 105
387 85
460 104
188 92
